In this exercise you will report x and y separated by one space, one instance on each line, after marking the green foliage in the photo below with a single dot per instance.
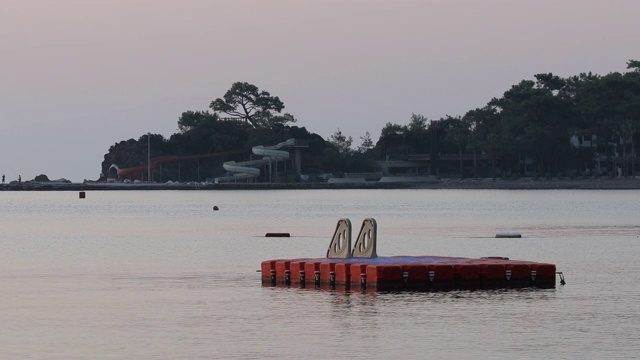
190 120
633 64
528 127
342 143
390 129
536 122
258 108
417 124
366 143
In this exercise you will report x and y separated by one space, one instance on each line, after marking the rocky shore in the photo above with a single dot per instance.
499 184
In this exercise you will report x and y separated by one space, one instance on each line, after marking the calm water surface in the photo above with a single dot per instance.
160 275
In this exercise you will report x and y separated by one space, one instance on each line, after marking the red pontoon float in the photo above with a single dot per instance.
361 269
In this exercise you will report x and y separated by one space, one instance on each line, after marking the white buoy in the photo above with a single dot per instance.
508 235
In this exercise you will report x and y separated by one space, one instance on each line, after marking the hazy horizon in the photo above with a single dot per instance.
79 76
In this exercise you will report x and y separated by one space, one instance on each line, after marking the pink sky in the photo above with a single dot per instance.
77 76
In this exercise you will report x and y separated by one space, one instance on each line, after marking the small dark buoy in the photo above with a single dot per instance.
277 235
215 208
81 195
508 235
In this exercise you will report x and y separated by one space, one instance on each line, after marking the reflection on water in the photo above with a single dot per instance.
158 274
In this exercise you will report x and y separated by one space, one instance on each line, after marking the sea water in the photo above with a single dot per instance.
161 275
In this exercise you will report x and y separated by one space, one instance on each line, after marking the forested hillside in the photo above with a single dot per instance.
586 124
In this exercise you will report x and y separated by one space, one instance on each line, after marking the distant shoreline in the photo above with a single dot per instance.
454 184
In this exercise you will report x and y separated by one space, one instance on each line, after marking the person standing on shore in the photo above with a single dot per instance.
19 179
3 178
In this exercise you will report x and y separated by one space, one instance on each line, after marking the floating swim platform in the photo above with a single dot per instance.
360 268
414 273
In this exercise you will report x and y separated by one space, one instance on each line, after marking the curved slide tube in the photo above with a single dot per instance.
141 170
251 169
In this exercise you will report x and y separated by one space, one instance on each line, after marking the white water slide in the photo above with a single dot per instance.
251 169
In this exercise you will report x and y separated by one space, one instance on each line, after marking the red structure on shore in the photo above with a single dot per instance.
140 171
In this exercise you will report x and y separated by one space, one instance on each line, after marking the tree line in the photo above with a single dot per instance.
530 127
527 130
